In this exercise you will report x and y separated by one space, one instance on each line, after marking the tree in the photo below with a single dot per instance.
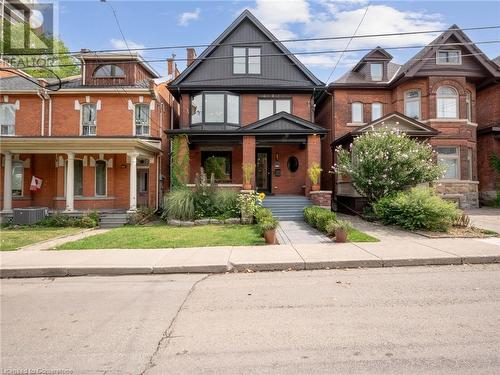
383 162
58 54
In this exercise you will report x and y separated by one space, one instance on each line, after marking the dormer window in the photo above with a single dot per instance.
376 71
109 71
448 57
246 60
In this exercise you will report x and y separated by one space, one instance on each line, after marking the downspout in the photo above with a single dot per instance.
42 116
158 161
50 115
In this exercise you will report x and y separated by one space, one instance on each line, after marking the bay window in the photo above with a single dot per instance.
216 108
412 104
450 159
468 103
447 102
7 119
268 107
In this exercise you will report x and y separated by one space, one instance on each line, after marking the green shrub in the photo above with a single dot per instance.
267 223
204 197
179 204
86 222
318 217
330 228
58 220
141 215
418 208
262 214
226 203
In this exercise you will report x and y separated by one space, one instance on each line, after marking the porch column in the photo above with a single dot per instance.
7 182
70 182
249 153
313 156
133 181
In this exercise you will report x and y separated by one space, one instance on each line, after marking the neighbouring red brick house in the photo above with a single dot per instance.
436 95
247 100
97 143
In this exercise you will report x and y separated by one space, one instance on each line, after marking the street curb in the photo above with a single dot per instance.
30 272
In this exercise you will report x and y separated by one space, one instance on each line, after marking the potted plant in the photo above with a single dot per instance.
342 228
268 228
314 173
248 170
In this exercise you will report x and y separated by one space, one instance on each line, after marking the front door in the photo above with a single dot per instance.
142 187
263 170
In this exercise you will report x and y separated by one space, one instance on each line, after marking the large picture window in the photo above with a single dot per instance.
450 159
215 107
447 102
7 119
89 126
218 163
17 178
268 107
412 104
246 60
100 177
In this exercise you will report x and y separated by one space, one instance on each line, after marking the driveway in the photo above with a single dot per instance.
485 218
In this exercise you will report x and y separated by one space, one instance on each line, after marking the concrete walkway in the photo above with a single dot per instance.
299 232
420 251
485 218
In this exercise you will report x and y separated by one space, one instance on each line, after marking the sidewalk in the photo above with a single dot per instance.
387 253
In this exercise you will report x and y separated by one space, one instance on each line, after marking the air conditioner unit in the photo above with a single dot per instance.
29 215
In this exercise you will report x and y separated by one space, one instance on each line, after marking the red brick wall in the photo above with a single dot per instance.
488 106
325 117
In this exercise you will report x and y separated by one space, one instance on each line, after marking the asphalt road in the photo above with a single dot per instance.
402 320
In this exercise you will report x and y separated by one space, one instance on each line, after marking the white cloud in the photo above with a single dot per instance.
186 17
120 44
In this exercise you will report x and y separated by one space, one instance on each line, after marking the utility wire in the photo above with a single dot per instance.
298 53
272 41
47 87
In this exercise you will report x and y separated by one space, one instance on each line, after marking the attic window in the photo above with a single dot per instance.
376 71
106 71
448 57
246 60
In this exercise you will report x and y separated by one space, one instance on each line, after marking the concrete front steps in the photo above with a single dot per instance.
112 219
287 207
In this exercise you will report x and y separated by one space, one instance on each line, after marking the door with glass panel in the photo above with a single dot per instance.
263 170
142 187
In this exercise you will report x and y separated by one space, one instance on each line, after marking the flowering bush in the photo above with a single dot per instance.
382 162
248 204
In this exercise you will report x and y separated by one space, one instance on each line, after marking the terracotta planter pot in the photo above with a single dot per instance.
315 187
247 186
340 236
270 236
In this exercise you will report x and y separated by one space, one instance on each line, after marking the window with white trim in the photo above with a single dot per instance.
357 112
78 176
89 111
468 105
101 171
449 57
268 107
412 104
246 60
377 110
376 71
449 158
17 178
141 119
7 119
447 102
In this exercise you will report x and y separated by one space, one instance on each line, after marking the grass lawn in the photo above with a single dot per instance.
358 236
12 239
163 236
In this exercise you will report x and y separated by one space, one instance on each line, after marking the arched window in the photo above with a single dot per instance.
447 102
468 103
109 71
412 103
100 177
377 111
357 112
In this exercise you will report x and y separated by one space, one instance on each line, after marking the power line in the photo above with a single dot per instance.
295 53
348 43
270 41
47 87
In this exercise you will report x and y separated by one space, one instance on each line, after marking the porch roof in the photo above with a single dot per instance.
394 120
56 145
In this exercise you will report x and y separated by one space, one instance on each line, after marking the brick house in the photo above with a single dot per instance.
433 96
97 143
247 100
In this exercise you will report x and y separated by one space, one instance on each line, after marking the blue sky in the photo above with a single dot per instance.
90 24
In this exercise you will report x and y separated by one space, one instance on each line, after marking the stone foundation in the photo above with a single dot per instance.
321 198
464 192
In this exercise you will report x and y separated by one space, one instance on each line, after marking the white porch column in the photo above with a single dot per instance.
133 181
7 182
70 182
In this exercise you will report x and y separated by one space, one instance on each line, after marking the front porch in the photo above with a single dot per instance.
108 175
279 148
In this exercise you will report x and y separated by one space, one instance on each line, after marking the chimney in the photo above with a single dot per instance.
170 66
191 55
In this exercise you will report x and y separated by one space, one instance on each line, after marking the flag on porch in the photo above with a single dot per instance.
36 183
